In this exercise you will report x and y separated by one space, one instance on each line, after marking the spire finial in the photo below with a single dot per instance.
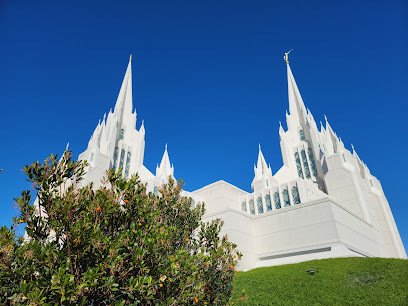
286 56
130 57
259 146
165 147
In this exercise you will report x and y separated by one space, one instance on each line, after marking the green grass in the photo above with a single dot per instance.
339 281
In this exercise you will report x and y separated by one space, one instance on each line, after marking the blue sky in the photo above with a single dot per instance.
208 78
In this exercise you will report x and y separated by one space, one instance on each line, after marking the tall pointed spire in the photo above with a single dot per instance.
123 106
296 105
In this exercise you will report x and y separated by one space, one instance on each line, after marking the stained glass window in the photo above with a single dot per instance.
243 206
285 196
251 207
122 158
312 161
276 199
302 135
295 195
305 164
128 157
260 205
298 165
268 202
115 158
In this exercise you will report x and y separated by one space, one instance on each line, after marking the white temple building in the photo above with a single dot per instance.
323 202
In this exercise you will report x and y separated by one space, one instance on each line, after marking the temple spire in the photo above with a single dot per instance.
261 167
123 106
165 169
296 105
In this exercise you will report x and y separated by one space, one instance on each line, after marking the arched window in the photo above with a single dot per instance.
276 199
302 135
243 206
268 202
285 196
312 161
260 205
305 164
121 133
298 165
115 158
295 195
122 158
128 157
251 207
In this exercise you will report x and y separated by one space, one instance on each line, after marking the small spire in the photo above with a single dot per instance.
352 147
259 146
67 146
130 57
165 147
142 128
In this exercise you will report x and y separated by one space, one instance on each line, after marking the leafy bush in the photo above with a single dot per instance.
115 245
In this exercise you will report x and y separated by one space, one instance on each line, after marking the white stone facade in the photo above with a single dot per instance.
323 202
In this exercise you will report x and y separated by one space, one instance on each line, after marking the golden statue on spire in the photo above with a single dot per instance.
286 56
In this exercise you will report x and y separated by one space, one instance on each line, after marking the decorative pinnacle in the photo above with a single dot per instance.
286 56
130 58
165 147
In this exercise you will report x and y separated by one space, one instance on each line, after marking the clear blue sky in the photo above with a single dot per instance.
209 79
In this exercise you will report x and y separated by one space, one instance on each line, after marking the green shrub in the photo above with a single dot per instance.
115 245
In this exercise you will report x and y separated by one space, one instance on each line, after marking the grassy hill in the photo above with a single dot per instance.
340 281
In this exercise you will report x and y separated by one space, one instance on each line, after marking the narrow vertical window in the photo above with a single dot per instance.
128 157
276 199
298 165
312 161
268 202
115 158
260 205
295 195
285 196
243 206
122 158
305 164
302 135
251 207
121 133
